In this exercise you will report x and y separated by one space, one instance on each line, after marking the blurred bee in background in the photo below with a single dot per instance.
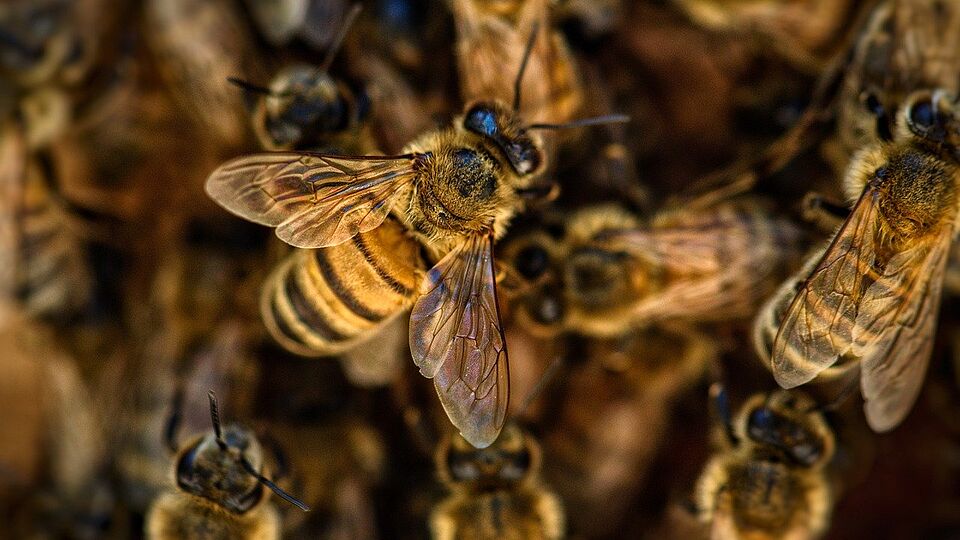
197 45
53 450
770 476
808 33
608 272
451 194
492 34
221 488
611 417
495 492
305 108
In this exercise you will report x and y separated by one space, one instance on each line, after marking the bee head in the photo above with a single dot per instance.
788 425
501 128
932 117
206 468
303 105
510 459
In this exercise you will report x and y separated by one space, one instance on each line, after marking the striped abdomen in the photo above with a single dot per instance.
322 301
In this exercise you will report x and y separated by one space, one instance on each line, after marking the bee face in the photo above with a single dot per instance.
511 459
501 127
785 424
304 103
206 470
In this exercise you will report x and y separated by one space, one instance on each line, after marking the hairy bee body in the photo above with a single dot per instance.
770 478
174 516
611 273
322 301
496 492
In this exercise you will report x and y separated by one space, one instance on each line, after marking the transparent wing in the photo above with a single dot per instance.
819 324
456 339
895 331
313 200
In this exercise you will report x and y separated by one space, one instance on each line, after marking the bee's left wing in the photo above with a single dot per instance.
456 339
895 330
314 200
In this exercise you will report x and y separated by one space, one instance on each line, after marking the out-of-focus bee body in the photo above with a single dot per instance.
198 45
491 35
307 109
496 492
770 478
613 418
221 489
615 274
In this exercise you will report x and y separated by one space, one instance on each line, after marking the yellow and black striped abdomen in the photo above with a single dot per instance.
321 301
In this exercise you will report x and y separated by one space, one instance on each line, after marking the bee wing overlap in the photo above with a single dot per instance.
313 200
457 340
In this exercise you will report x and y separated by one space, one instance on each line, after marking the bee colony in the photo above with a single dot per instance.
479 269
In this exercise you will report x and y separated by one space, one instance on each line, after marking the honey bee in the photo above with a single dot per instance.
491 34
45 270
806 32
450 195
220 489
197 46
610 272
770 478
873 294
495 492
305 108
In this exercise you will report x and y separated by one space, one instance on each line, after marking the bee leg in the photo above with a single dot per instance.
172 425
825 213
720 409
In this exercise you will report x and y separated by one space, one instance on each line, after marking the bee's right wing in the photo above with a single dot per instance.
819 324
896 327
313 200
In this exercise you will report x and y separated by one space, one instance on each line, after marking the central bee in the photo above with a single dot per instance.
446 199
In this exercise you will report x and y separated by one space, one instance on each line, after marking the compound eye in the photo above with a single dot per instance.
481 120
532 261
760 420
922 115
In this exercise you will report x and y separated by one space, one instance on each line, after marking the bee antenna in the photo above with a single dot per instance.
215 419
720 405
584 122
247 466
334 48
173 422
249 86
523 65
548 375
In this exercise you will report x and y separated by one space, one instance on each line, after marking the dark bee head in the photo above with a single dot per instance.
304 106
36 39
207 470
787 425
511 459
597 278
929 115
501 127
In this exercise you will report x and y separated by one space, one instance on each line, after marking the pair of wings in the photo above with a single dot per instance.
317 201
880 311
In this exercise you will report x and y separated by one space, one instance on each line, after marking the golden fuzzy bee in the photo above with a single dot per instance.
221 489
446 200
496 491
873 295
610 272
770 477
